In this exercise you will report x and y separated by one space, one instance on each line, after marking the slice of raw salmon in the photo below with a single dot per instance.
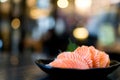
104 59
74 59
69 63
84 52
100 59
70 55
64 55
95 57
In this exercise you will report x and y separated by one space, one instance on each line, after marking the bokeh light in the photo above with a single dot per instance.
83 5
1 43
30 3
80 33
106 35
62 3
114 1
15 23
36 13
3 1
60 27
5 7
43 4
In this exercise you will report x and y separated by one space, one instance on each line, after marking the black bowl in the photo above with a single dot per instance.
77 74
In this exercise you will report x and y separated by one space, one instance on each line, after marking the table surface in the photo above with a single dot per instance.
14 67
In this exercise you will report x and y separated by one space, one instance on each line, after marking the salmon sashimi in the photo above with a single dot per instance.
104 59
84 52
69 63
74 59
83 57
95 57
64 55
70 55
99 58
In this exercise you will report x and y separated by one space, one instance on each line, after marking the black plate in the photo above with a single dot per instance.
77 74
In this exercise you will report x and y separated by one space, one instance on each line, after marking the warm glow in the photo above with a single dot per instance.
83 4
36 13
15 23
80 33
114 1
62 3
30 3
5 8
3 1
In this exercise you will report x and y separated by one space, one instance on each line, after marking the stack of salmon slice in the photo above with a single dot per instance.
84 57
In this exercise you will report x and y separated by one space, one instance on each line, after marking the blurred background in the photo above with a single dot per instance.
33 29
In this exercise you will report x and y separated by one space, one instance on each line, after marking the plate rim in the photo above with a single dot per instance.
50 67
